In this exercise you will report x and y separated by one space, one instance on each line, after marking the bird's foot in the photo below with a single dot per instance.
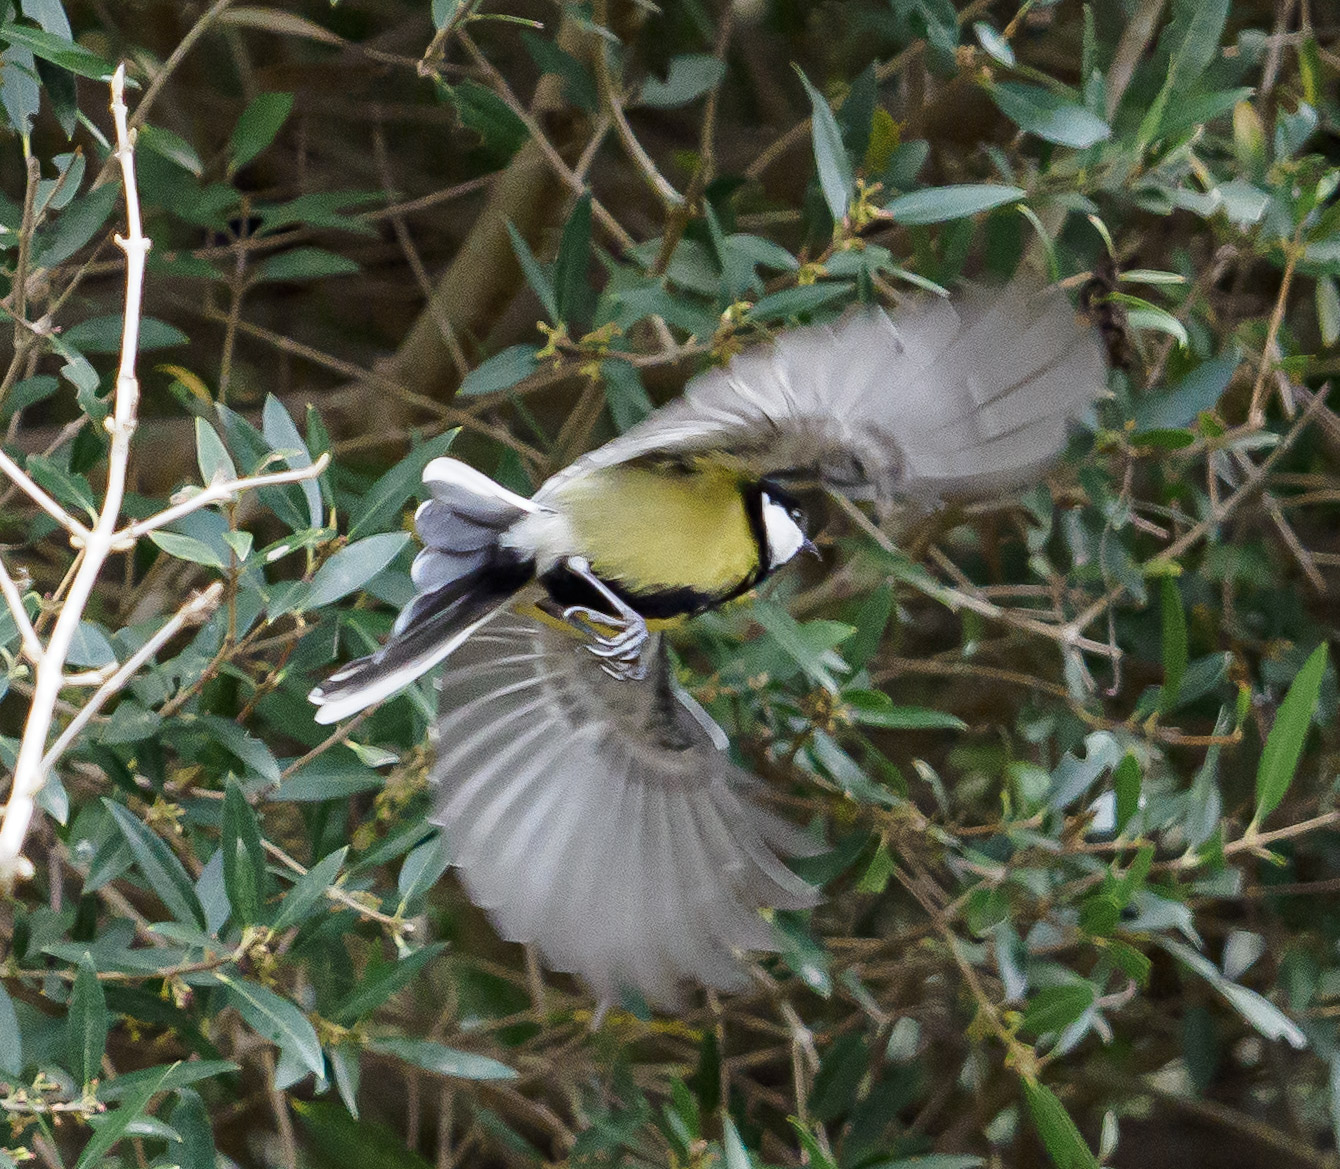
617 640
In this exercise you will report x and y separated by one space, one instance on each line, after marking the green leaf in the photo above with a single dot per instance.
277 1020
995 44
939 204
165 1078
689 77
187 548
77 224
386 980
11 1038
211 455
353 566
1198 391
1126 782
625 395
58 50
116 1124
257 127
502 132
1054 1008
732 1146
281 432
442 1060
874 708
161 869
170 146
87 1024
830 155
572 293
1284 744
579 86
305 264
1059 1135
1328 310
501 371
422 867
1056 119
103 335
804 298
1174 643
244 874
539 280
384 502
309 890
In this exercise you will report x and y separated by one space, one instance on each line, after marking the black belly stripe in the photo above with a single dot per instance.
566 588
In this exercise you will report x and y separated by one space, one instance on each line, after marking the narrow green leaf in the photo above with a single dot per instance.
115 1124
277 1019
874 708
244 874
422 867
1059 1135
1284 744
572 293
281 432
1054 1008
539 280
257 127
309 890
1127 781
385 501
442 1060
187 548
375 989
1174 643
160 867
58 50
211 455
305 264
353 566
501 371
87 1024
1038 111
688 77
189 1119
830 155
939 204
165 1077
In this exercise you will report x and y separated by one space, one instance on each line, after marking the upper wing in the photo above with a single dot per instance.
940 399
601 820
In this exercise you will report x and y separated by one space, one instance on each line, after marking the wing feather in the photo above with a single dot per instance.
912 404
600 820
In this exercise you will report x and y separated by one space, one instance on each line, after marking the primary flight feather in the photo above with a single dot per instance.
588 801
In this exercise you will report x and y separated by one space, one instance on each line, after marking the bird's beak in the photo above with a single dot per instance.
808 545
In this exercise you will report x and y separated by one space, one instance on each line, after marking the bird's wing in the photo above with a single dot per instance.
603 821
940 398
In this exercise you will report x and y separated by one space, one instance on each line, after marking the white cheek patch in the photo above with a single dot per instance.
785 537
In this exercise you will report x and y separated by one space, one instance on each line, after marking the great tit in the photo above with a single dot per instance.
588 801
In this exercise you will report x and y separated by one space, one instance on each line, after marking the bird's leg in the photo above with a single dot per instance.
621 649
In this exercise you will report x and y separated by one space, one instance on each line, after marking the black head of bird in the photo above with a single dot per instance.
588 801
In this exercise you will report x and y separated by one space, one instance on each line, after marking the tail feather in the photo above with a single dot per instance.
463 578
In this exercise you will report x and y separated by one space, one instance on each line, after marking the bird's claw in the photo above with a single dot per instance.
620 651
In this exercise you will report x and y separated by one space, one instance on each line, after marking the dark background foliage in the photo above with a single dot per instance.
1074 750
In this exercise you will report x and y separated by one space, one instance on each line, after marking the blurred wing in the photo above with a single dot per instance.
601 819
943 398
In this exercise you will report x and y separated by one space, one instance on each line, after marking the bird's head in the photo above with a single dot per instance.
784 532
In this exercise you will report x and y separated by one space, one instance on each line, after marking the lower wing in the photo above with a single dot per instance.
601 820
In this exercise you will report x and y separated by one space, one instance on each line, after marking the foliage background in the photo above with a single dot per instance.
1080 898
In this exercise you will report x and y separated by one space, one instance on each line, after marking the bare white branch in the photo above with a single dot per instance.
30 769
32 645
218 492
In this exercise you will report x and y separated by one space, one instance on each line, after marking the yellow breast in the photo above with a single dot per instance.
665 526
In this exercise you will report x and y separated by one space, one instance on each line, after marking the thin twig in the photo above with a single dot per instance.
192 613
220 491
